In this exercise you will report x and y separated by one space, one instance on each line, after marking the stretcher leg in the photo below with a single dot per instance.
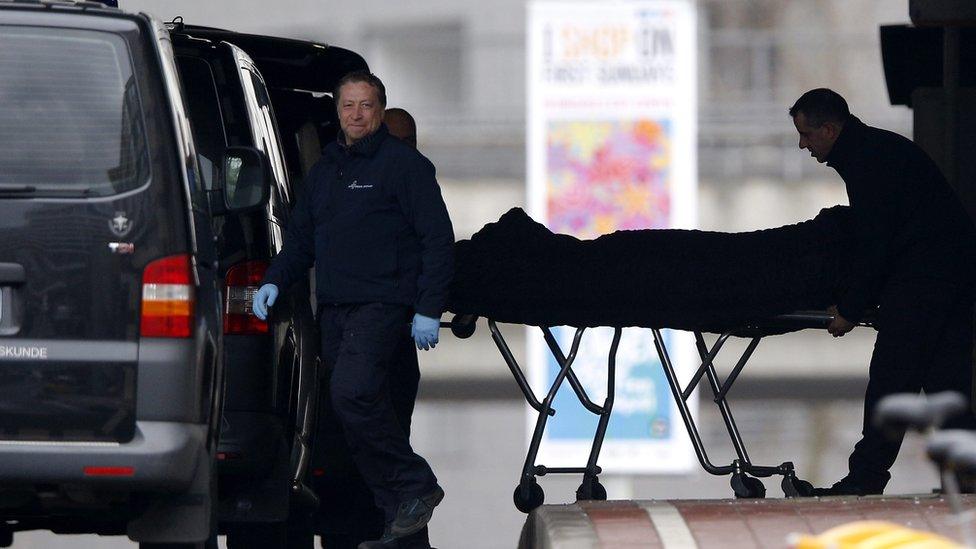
681 400
723 405
514 367
591 488
743 485
540 424
571 375
528 494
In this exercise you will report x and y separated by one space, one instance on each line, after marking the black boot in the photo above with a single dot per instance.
413 515
386 541
417 540
852 486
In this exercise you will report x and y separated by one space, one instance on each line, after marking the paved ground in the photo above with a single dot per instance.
729 524
477 447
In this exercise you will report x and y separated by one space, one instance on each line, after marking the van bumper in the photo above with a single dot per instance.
161 457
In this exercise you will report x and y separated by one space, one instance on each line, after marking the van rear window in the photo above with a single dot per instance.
70 116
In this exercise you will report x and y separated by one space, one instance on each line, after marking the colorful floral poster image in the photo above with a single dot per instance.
608 175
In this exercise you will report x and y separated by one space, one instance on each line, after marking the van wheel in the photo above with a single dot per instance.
296 533
300 532
270 535
209 544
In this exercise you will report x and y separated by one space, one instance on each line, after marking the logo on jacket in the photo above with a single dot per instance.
355 185
120 224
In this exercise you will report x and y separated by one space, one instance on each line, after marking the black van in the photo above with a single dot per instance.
272 367
111 316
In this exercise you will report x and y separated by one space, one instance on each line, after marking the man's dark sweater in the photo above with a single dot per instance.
914 252
908 223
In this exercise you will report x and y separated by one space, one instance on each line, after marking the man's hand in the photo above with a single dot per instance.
424 331
839 325
265 297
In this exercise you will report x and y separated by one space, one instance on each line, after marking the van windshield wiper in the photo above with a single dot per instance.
22 190
17 189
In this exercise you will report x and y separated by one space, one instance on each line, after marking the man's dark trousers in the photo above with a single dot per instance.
361 344
925 342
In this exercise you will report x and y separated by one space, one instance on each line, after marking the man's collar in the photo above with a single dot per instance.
365 146
846 142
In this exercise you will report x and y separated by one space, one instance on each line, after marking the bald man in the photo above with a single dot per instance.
401 125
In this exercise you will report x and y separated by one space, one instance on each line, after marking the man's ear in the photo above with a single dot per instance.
832 129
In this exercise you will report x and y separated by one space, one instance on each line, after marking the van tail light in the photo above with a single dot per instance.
241 283
168 300
120 471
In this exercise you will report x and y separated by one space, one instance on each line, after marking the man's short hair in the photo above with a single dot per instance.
821 105
401 125
362 76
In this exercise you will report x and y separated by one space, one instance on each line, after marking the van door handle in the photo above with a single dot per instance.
12 273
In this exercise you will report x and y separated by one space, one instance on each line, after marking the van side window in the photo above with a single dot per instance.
70 117
270 129
307 122
204 106
268 133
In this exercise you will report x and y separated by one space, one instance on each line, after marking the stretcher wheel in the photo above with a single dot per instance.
591 489
535 497
796 488
745 486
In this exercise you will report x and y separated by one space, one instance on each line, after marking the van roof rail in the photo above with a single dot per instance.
83 4
288 62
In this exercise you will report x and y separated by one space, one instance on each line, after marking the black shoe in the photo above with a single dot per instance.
850 486
388 541
413 515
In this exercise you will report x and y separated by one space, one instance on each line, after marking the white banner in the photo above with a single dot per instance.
611 146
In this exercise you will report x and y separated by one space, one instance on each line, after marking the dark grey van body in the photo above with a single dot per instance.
102 429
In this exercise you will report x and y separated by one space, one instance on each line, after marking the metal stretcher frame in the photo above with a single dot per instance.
528 494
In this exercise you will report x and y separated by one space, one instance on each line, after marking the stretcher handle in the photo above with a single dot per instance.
462 326
814 319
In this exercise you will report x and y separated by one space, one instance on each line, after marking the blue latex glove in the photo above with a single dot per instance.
264 298
424 331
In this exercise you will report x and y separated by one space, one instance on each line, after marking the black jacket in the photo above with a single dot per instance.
909 225
373 222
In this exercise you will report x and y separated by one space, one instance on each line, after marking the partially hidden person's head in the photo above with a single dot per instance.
401 125
819 115
360 99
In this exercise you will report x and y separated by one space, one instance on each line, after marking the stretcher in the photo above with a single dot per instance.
744 474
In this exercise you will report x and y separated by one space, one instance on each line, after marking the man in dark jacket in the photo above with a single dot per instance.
401 125
374 224
348 514
914 252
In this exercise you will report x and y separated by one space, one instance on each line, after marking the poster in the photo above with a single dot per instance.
611 146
